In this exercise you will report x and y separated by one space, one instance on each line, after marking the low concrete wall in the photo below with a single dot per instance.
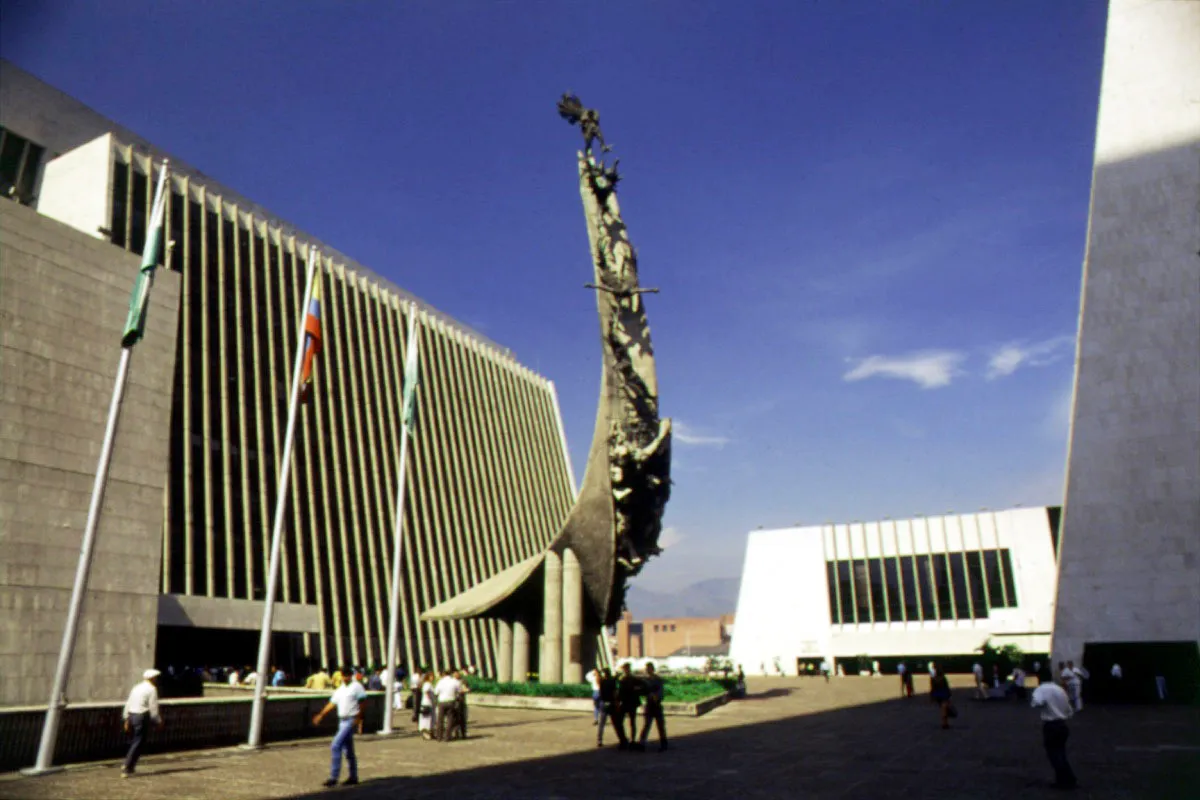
584 704
92 731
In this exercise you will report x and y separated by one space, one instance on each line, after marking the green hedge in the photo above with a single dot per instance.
676 689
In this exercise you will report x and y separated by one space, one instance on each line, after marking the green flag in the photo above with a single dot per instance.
411 374
135 323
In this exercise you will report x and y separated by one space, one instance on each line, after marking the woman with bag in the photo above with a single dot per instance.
939 692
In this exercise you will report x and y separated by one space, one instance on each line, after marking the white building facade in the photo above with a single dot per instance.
912 589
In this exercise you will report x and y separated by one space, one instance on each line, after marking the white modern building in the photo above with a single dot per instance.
914 589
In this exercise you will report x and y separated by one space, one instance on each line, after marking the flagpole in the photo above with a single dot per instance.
264 642
45 755
394 609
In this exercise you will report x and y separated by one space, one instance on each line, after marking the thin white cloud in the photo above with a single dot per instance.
683 433
669 538
929 369
1009 358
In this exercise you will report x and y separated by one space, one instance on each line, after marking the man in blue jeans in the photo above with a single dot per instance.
346 699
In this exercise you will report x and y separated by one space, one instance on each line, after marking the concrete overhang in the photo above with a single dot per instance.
190 611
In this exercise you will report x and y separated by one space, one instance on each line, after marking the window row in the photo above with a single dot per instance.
939 586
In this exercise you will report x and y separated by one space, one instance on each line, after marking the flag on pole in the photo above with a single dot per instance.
411 375
312 338
135 323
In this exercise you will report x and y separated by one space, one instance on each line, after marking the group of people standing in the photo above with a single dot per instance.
617 698
439 704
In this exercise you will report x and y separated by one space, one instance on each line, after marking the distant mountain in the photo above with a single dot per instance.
707 598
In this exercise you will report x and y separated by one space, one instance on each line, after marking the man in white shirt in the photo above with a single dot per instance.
140 709
346 699
233 677
447 690
1052 699
1073 679
980 693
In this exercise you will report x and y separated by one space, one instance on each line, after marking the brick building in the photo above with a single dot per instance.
662 637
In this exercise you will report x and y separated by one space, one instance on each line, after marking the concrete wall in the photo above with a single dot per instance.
783 607
92 731
63 301
74 187
1130 556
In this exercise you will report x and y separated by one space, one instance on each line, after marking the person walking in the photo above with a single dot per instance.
1055 707
977 671
593 679
1073 678
902 671
347 700
652 688
939 692
608 702
628 700
141 709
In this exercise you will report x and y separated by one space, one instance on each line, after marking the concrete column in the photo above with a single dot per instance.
572 618
550 670
504 651
519 652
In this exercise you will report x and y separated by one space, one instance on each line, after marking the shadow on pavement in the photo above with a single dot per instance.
887 749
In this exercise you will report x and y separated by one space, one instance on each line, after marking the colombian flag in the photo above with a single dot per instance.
312 339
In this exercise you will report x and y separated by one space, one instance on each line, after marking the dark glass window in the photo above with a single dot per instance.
139 210
1009 581
912 605
29 172
835 613
895 595
878 601
975 576
844 587
995 581
958 577
1054 513
924 581
945 597
120 203
10 159
862 592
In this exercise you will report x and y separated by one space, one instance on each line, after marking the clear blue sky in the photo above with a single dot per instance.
867 219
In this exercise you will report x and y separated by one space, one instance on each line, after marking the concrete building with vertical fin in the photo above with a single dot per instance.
1129 577
489 482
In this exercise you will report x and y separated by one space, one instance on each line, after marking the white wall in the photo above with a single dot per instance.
1130 567
75 187
783 611
783 608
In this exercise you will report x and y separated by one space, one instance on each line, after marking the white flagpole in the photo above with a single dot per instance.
45 755
410 368
264 643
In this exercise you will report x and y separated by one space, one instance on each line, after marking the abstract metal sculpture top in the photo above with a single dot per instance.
614 525
617 518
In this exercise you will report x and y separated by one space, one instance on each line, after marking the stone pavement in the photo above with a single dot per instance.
852 738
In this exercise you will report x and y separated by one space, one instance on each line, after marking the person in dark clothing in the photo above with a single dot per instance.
652 688
939 692
628 700
608 706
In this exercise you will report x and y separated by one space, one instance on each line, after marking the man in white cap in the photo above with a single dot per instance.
140 709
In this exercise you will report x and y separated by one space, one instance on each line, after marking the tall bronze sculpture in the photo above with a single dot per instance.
628 469
577 585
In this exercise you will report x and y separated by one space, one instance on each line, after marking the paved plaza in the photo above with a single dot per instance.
791 738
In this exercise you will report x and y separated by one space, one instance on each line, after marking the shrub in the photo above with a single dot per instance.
681 689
